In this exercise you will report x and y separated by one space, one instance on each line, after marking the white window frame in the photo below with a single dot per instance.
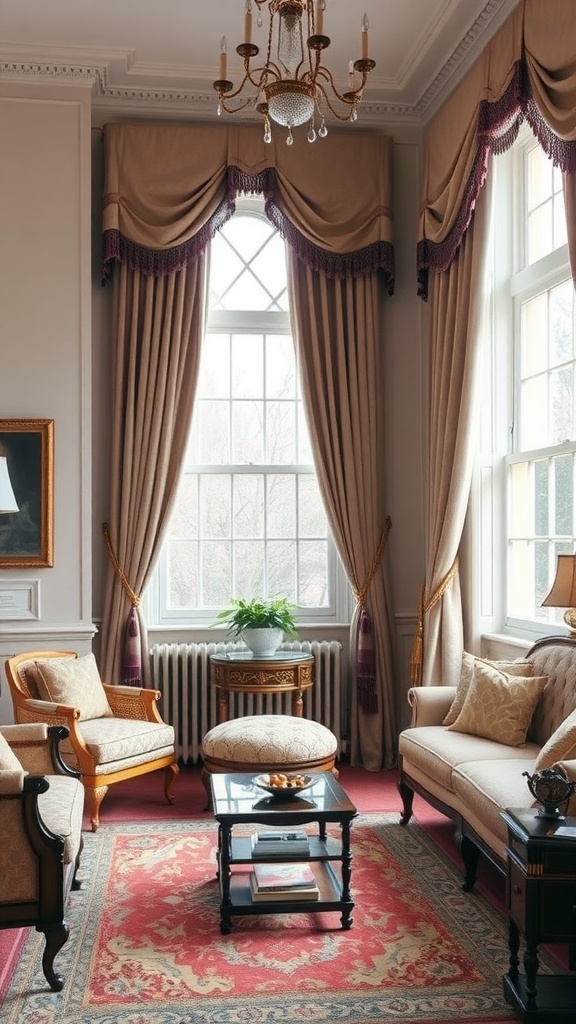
512 283
340 609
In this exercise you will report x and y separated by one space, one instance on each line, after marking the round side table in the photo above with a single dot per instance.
239 672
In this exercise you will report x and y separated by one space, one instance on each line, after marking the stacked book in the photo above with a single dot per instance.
269 845
282 882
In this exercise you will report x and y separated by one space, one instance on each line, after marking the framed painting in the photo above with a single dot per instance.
27 536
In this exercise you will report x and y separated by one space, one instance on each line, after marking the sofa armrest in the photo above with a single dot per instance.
430 704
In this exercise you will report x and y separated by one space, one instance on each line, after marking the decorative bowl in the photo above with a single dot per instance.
283 785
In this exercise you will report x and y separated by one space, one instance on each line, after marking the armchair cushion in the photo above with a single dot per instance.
73 681
114 742
8 760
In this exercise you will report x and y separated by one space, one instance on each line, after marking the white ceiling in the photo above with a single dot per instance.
163 54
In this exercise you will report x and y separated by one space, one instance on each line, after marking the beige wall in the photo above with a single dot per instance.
45 344
55 341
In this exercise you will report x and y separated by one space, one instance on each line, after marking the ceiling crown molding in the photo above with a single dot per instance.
174 90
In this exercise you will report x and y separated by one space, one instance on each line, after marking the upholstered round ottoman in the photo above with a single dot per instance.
262 743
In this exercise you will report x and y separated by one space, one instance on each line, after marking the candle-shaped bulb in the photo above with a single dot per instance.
222 70
320 8
351 74
365 27
248 22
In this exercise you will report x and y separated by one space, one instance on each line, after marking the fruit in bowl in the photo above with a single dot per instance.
283 784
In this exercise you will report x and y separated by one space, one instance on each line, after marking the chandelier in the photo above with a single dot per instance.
292 87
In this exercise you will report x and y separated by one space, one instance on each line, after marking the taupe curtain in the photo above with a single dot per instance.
159 324
528 71
167 190
337 331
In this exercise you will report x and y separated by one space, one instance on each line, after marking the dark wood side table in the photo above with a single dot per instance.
284 671
541 902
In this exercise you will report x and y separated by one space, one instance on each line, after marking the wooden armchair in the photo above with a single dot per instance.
41 830
115 732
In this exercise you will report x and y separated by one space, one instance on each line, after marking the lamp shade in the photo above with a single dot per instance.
7 499
563 591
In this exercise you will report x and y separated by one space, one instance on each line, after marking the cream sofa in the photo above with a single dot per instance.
472 778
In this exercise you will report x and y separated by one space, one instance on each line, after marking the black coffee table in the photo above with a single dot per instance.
236 800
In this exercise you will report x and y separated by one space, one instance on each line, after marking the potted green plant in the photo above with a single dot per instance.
262 625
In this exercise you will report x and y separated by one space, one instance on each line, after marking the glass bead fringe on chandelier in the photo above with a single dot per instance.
292 87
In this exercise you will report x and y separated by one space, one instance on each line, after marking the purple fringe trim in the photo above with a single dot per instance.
157 263
366 666
498 126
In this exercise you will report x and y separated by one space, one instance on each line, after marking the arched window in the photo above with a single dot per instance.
248 520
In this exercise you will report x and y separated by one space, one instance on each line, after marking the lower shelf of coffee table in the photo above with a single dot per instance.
330 898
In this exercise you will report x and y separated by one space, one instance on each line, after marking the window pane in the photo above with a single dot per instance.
282 569
280 367
310 508
212 437
183 575
248 503
313 574
562 404
280 433
215 506
184 518
534 431
216 563
247 371
534 328
541 498
540 232
561 323
248 433
281 505
563 495
249 569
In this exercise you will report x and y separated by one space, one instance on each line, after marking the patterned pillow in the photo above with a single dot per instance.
8 760
560 747
499 706
76 682
522 667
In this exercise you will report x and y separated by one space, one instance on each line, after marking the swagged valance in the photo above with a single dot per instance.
168 188
527 72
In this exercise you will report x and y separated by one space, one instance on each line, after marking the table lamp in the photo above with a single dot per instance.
563 591
7 500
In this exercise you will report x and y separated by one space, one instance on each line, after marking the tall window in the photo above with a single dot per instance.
536 310
248 520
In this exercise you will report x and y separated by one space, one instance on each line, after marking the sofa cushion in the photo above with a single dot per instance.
76 682
486 788
522 667
558 663
8 760
436 750
499 706
560 747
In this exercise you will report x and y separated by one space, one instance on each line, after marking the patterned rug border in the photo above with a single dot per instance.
468 916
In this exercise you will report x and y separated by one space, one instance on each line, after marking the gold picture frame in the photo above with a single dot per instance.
27 536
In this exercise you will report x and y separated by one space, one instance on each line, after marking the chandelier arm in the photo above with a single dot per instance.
337 114
350 97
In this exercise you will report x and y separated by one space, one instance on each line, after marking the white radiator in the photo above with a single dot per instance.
182 674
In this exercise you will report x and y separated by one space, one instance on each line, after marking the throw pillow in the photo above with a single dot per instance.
522 667
76 682
499 706
8 760
560 747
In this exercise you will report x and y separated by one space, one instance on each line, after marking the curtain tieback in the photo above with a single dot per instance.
133 597
423 609
362 591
